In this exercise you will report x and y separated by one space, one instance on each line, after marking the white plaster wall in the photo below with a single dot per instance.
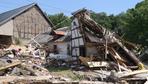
91 51
62 47
7 28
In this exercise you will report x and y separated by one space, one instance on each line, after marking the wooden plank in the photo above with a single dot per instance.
76 38
133 73
131 55
10 65
84 60
36 69
98 64
134 79
121 67
115 54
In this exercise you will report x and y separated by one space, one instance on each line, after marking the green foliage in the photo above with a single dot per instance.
136 23
57 69
103 19
109 21
133 24
60 20
65 72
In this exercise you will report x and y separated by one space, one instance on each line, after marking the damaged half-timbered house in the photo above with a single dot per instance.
90 39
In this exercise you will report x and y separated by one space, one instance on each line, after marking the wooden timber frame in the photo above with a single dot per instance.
30 23
78 37
78 47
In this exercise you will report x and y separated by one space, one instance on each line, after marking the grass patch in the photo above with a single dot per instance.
57 69
65 72
17 41
76 77
146 66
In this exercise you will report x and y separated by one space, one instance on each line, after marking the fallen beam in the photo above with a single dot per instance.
35 69
133 73
10 65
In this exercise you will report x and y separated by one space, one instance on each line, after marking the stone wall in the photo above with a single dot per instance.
29 24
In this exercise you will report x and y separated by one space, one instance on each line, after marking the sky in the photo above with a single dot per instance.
69 6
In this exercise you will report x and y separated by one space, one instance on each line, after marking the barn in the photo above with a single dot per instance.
23 23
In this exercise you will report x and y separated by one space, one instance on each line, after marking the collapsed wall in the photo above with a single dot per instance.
86 32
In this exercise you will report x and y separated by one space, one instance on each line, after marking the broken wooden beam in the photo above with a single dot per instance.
10 65
84 60
130 54
35 69
132 73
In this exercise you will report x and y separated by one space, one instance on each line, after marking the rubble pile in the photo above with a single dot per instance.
17 65
24 68
93 54
101 49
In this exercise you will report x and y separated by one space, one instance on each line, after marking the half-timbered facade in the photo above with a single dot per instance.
24 22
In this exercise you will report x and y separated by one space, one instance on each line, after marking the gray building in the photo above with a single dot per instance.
23 23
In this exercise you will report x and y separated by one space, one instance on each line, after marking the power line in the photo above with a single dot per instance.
23 1
60 23
55 7
28 0
7 4
51 10
46 6
58 9
4 6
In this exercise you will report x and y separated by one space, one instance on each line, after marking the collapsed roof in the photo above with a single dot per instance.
85 30
58 35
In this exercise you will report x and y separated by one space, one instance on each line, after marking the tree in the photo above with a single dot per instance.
102 19
60 20
136 23
108 21
133 24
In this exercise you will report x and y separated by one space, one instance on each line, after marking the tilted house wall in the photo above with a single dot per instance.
79 45
77 40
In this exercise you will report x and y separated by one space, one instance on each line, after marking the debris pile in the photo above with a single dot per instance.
25 67
90 51
97 47
13 63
